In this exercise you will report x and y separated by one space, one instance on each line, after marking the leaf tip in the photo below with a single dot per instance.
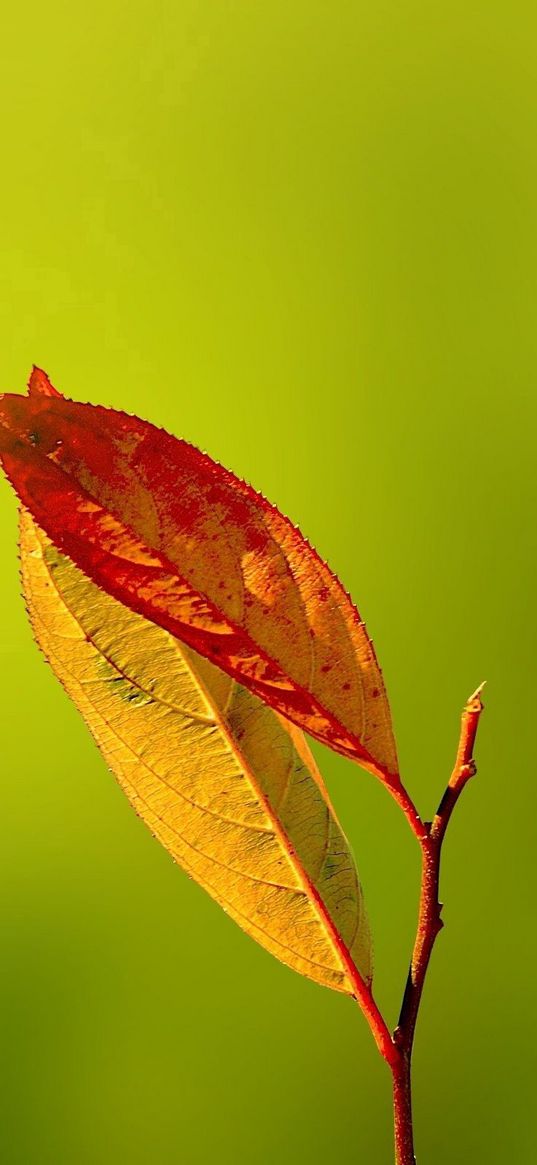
39 383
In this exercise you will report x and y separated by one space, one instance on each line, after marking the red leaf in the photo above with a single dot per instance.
181 540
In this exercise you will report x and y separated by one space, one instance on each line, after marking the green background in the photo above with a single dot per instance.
304 236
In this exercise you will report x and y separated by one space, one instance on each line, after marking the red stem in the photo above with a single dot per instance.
429 925
429 920
397 1050
402 1113
405 802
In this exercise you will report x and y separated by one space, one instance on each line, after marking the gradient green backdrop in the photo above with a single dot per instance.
304 236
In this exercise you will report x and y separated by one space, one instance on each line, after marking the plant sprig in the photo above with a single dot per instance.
200 636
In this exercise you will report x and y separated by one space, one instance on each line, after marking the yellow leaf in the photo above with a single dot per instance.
226 785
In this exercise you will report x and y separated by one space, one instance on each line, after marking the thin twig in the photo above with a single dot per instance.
465 766
429 925
397 1049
